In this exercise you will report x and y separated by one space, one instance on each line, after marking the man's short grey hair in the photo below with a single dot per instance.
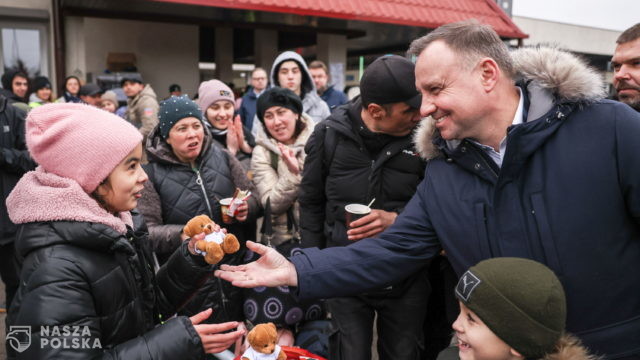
471 40
629 35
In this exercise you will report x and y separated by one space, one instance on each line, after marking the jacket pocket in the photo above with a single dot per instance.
544 233
480 212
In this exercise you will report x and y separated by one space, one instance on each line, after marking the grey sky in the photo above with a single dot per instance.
605 14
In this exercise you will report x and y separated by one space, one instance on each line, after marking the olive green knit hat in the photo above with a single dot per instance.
520 300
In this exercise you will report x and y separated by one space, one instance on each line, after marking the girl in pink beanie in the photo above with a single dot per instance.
87 287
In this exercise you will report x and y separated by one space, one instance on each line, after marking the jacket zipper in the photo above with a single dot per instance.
204 191
199 181
369 192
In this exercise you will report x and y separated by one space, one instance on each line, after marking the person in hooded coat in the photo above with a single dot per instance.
290 71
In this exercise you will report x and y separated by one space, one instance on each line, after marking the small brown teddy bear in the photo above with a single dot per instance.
216 243
262 341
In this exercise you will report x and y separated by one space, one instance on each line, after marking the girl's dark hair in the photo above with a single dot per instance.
66 80
99 199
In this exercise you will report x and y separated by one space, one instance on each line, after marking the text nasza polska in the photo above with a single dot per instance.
68 337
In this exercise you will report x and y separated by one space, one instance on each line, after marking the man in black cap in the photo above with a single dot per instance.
142 103
91 94
363 153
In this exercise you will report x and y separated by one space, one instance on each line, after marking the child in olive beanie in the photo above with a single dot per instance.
512 308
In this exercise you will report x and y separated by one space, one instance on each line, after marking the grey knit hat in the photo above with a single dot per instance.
175 109
110 96
520 300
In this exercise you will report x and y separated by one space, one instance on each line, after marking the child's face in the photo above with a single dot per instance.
108 106
122 189
477 342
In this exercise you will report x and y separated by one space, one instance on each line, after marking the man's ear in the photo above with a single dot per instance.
516 354
489 73
376 111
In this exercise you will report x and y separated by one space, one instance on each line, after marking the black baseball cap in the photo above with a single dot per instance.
390 79
90 90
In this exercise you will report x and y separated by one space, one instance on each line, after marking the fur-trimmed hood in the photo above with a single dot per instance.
552 76
568 348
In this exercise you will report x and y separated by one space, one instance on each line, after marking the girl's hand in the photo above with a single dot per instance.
192 242
213 336
289 158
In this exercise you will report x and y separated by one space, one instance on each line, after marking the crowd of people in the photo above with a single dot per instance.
501 190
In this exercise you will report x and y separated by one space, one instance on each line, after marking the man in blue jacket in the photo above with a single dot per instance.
329 94
526 160
247 109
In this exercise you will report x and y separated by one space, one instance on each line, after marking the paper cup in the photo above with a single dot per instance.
224 210
354 212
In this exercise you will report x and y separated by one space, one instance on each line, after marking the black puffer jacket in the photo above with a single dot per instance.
175 193
346 172
14 161
88 275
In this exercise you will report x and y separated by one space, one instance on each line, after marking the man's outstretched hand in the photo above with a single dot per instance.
270 270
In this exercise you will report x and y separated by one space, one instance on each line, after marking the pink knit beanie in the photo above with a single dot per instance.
79 141
212 91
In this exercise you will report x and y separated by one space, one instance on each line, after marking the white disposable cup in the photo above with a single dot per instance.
354 212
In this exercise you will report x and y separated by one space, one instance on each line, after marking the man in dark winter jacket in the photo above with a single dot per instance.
329 94
527 160
626 67
14 162
16 86
363 151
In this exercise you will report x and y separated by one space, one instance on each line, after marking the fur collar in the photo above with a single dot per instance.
42 196
552 73
568 348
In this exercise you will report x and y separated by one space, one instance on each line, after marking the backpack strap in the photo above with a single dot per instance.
274 160
330 141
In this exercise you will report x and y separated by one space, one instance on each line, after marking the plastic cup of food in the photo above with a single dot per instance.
227 218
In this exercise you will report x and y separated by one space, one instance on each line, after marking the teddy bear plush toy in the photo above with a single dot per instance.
216 243
262 341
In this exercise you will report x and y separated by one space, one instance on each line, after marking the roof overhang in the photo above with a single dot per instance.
421 13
